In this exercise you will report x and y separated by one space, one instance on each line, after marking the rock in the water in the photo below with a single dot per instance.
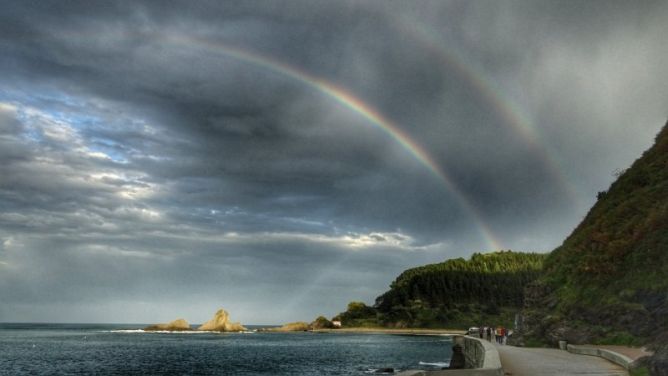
176 325
298 326
221 323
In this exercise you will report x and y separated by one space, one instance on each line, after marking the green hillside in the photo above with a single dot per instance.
608 282
486 289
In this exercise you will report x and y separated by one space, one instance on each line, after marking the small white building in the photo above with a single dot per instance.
336 323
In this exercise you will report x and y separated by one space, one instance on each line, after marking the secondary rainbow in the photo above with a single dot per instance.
352 102
488 91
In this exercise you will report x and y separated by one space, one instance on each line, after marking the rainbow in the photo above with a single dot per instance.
511 113
351 102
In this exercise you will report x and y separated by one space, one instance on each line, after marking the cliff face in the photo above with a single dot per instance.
608 281
221 323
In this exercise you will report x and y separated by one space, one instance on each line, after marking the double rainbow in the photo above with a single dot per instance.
350 101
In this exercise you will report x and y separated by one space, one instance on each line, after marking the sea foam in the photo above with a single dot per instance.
436 364
173 331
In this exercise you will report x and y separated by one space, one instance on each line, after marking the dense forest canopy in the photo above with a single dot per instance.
459 291
454 293
498 278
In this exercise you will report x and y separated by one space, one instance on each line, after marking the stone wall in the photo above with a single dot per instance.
482 359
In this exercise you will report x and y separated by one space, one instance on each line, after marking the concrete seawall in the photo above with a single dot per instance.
612 356
482 359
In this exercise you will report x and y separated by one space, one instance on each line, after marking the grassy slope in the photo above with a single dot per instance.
607 283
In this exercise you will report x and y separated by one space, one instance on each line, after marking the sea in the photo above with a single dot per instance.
125 349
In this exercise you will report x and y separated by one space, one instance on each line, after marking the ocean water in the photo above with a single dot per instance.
84 349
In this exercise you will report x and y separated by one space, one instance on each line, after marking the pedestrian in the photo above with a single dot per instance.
481 331
489 333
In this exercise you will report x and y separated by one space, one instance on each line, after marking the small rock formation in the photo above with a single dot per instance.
176 325
221 323
298 326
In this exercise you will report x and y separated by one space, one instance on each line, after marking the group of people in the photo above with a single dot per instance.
500 334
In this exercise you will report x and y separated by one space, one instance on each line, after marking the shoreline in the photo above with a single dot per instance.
391 331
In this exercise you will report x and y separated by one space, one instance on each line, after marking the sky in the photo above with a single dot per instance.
279 159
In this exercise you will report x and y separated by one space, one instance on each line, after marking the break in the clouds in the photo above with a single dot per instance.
160 160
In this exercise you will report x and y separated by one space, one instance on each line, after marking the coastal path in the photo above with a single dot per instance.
522 361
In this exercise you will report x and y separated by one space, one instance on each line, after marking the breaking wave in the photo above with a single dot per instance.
436 364
172 331
378 371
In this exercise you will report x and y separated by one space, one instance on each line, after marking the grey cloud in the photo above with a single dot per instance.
132 148
224 269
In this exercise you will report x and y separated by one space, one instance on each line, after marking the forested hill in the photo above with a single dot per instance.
608 282
459 292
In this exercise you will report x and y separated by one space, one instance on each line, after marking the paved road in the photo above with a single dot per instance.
520 361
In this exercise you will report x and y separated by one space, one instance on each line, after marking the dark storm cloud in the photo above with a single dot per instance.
144 157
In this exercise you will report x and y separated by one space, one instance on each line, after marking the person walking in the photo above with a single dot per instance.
489 333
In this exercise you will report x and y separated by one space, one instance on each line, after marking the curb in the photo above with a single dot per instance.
610 355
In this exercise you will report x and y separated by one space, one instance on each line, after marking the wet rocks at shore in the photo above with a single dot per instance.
298 326
174 326
221 323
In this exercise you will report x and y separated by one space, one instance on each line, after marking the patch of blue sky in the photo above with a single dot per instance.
114 150
112 153
78 114
30 132
54 105
43 98
76 120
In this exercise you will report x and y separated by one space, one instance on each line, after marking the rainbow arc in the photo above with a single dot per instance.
353 103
